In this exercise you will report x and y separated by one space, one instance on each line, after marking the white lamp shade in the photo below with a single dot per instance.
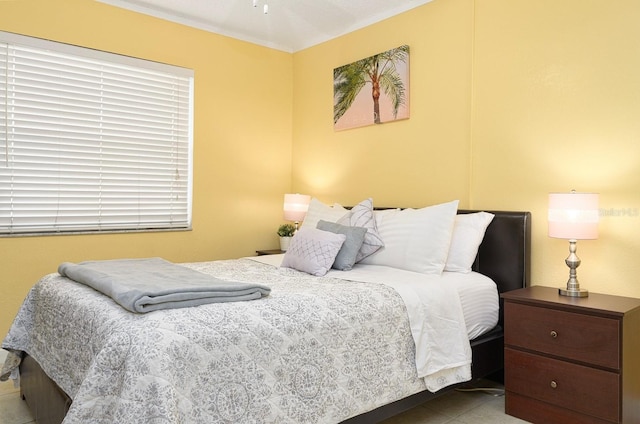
573 216
296 206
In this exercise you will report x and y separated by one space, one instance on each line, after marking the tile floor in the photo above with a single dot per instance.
474 407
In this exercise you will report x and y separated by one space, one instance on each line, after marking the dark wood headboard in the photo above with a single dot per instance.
505 252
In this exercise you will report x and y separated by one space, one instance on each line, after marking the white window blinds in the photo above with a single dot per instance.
92 141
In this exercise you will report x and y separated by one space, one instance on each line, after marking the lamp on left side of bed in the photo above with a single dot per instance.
296 207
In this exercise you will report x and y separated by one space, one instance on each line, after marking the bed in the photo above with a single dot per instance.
366 383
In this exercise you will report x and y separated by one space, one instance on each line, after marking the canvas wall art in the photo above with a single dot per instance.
373 90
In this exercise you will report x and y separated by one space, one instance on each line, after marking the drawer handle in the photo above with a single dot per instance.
554 334
553 384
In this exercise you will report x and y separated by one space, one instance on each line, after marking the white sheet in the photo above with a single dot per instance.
479 299
465 303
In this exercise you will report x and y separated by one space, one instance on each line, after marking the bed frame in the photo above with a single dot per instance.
504 255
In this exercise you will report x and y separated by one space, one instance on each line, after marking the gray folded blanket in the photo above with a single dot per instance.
144 285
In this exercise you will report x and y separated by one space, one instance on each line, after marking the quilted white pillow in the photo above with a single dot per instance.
415 239
313 251
362 215
468 232
319 211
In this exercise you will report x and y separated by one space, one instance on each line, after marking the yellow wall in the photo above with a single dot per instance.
510 100
413 162
557 102
242 141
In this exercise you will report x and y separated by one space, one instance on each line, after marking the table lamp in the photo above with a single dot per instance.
295 207
573 216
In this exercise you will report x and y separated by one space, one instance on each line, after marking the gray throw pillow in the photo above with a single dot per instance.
351 246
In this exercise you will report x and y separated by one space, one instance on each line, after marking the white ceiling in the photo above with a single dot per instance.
290 25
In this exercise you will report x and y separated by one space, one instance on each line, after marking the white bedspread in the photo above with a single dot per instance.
317 350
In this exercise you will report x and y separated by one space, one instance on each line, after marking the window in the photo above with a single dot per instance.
92 141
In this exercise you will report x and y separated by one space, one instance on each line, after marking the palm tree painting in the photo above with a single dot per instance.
373 90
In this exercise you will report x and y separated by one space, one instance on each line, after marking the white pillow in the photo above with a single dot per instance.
468 232
313 251
415 239
362 215
319 211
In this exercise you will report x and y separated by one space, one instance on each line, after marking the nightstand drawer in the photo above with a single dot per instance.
585 338
536 411
582 389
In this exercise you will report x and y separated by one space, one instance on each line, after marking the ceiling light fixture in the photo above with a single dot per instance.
265 8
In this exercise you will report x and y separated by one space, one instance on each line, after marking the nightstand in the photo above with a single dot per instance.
571 360
269 252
